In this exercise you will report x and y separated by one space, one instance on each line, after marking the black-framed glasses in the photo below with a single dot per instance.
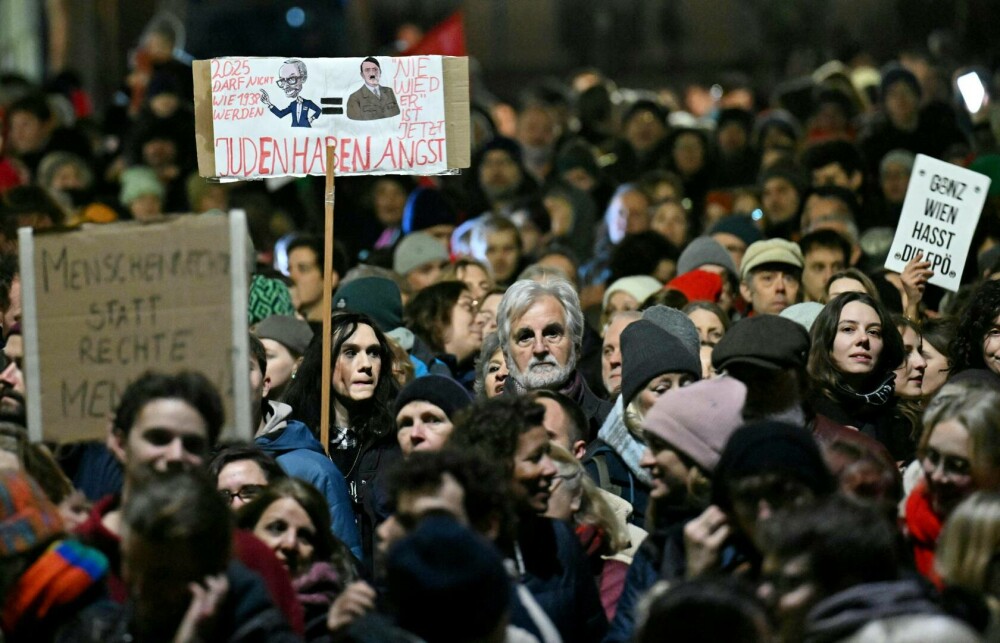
246 493
291 80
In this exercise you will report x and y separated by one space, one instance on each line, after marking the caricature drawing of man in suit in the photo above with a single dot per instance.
372 101
291 76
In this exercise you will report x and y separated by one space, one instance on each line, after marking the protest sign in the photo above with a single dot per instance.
267 117
105 304
939 217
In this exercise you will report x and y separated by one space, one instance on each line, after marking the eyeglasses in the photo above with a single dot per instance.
291 80
246 493
469 304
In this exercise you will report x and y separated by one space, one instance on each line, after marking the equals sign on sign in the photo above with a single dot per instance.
334 103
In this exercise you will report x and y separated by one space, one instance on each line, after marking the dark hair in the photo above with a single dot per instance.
35 104
259 353
966 350
371 418
491 427
640 254
825 376
9 271
939 332
848 543
28 199
239 452
326 547
341 262
648 181
711 307
843 153
369 59
704 609
486 497
578 421
856 275
843 195
189 386
428 314
181 507
826 238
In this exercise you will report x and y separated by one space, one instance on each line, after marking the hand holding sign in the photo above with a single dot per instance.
914 278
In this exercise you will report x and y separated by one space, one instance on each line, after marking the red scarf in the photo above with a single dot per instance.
923 526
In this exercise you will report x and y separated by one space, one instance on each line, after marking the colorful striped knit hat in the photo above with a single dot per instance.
27 517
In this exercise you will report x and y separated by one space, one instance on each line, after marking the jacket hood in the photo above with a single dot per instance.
842 614
281 435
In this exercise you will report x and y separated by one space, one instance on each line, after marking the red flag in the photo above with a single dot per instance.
447 38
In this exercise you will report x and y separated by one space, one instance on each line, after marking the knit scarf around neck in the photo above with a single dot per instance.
58 577
879 397
618 437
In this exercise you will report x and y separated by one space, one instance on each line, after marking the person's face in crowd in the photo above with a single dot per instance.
371 74
689 154
307 275
27 133
820 264
12 315
241 481
260 386
771 290
580 178
670 220
533 470
12 389
991 347
146 207
389 199
818 208
611 355
560 215
67 177
503 254
789 591
536 128
671 471
779 200
358 366
541 346
842 285
426 274
559 427
756 498
732 138
167 433
902 105
564 500
464 335
735 246
937 371
561 263
946 466
422 426
280 364
476 280
664 191
499 175
74 510
496 374
835 174
159 153
830 117
895 180
910 374
413 505
857 345
488 312
644 131
710 327
286 528
627 214
620 301
658 386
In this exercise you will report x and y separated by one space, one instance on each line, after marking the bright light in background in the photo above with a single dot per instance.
295 17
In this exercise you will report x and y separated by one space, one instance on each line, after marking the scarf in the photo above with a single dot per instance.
879 397
618 437
923 527
59 576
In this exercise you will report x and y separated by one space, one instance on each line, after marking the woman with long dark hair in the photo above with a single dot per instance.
855 351
444 316
362 429
977 342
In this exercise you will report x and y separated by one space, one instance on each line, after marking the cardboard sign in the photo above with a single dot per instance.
267 117
939 217
105 304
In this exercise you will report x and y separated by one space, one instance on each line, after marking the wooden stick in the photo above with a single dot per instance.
324 416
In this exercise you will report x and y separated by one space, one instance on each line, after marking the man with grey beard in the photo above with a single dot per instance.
540 326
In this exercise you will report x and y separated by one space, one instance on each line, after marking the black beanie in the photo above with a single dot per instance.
649 351
426 208
446 583
771 447
441 391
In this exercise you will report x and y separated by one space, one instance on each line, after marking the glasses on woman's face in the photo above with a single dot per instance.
246 493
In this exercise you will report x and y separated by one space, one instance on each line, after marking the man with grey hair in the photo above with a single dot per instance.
541 326
291 77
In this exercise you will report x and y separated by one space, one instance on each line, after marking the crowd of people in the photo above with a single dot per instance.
637 374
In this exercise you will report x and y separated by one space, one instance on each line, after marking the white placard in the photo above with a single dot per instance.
939 217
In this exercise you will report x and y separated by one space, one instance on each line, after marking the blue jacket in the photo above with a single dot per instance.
300 454
300 119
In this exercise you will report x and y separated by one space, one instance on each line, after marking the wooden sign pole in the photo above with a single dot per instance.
324 417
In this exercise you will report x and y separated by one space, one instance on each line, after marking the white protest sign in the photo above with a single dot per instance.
939 217
267 117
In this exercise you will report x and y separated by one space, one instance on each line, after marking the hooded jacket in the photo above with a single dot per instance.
301 456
